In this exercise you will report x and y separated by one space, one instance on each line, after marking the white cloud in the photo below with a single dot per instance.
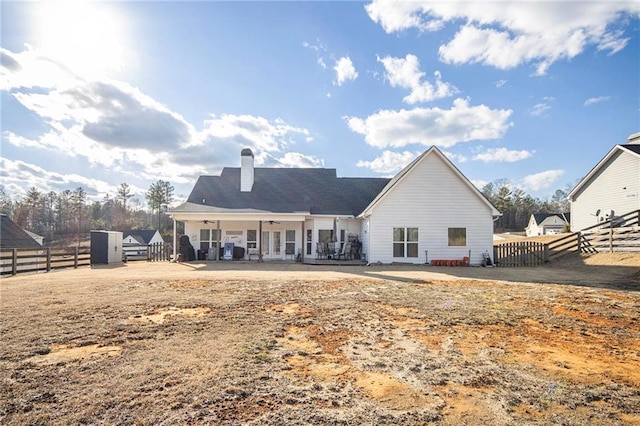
225 136
507 34
18 175
296 159
500 83
405 73
345 71
542 180
389 162
456 158
432 126
493 155
479 183
596 100
320 50
116 126
539 109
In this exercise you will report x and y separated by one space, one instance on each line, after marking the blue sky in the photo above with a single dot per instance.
95 94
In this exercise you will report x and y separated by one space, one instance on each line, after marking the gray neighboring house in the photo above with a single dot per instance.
610 189
12 236
428 206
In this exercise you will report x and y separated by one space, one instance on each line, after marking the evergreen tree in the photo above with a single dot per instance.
159 196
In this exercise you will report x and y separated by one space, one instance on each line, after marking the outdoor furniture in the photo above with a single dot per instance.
346 252
290 252
321 250
331 250
252 252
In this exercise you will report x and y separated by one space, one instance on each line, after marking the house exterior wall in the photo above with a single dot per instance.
615 187
236 231
532 228
364 237
157 238
433 199
552 225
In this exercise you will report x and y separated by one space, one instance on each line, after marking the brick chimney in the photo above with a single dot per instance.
246 170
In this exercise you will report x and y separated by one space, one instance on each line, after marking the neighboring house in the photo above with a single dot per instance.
547 224
428 206
39 238
12 236
135 242
610 189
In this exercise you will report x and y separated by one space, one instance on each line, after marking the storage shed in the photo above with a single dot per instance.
106 247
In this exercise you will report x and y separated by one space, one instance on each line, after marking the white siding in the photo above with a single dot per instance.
432 198
192 229
615 187
364 237
533 229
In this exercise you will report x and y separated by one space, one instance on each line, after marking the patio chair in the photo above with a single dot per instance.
331 250
346 252
320 250
290 252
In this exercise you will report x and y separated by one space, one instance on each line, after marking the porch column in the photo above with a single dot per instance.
304 243
260 242
175 239
218 240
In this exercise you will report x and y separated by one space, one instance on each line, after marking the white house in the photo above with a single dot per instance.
610 189
135 242
547 224
428 206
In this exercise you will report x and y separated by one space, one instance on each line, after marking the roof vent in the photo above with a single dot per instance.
246 170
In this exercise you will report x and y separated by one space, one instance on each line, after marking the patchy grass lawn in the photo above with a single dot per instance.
179 344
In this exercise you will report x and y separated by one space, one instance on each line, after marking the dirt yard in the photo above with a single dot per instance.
273 344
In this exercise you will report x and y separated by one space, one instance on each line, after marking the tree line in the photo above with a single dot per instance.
67 217
517 207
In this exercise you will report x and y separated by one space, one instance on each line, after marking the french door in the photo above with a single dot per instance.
271 245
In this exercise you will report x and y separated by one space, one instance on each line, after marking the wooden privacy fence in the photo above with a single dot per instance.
13 261
619 234
158 252
525 253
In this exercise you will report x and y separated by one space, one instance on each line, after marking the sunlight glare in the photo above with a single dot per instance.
84 36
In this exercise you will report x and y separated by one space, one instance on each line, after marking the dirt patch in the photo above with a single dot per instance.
66 353
270 344
161 316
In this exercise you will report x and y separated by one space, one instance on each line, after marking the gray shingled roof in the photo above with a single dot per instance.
12 236
540 217
632 147
288 190
140 234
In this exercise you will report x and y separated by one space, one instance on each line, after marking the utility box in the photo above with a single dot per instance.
106 247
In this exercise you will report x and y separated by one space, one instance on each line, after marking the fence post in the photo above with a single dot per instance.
75 257
611 237
48 259
14 262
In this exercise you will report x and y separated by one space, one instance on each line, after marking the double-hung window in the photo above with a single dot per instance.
290 241
457 237
405 242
